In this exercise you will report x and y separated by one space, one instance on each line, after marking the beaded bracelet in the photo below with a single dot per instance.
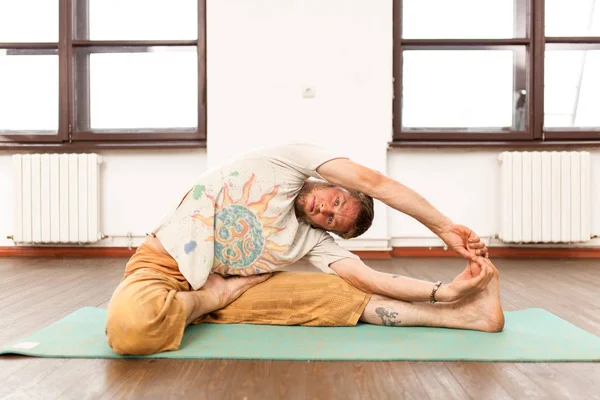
435 288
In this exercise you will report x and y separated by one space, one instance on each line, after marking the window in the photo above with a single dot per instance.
102 73
496 71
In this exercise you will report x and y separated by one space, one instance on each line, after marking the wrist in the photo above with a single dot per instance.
444 293
443 226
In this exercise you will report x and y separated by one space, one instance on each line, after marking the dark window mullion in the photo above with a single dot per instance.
397 71
133 43
521 89
574 40
64 71
81 74
29 46
432 44
201 49
536 60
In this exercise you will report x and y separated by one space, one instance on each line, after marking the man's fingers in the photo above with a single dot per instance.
491 265
481 252
474 238
485 275
464 253
479 261
487 272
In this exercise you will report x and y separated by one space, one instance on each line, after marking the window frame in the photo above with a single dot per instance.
535 45
68 136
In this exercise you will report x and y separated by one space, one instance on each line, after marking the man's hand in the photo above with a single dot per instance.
227 290
466 283
464 241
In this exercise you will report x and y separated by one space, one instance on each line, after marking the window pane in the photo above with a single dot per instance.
572 18
137 20
463 19
29 95
28 21
461 89
139 88
572 89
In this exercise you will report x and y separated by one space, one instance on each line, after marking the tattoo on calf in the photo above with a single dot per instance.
388 316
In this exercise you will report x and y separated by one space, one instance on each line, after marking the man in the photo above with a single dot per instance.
262 212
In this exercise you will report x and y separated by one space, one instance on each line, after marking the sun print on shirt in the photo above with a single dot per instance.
242 232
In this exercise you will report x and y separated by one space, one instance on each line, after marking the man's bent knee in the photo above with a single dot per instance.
125 339
134 329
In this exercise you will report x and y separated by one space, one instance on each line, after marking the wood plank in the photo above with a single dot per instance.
559 385
477 381
438 381
389 379
330 380
27 374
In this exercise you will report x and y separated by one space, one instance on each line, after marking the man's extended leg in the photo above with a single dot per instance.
481 312
295 298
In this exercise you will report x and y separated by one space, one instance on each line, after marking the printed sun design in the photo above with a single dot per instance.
242 231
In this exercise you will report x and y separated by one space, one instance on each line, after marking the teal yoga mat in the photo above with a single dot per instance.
529 335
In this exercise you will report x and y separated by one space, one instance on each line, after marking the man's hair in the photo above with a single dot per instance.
365 216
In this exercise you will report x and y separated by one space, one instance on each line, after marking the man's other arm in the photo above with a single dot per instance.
399 287
350 175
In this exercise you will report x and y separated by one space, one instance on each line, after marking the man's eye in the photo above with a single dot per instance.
330 220
337 201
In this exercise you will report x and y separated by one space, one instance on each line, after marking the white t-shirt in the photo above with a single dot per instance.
239 219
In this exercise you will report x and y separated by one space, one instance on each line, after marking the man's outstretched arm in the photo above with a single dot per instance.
350 175
399 287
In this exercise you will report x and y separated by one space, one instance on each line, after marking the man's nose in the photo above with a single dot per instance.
325 209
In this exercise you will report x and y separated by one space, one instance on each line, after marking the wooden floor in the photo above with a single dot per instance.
35 292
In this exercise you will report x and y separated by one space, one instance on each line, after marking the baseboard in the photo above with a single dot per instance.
503 252
373 254
33 251
365 244
495 252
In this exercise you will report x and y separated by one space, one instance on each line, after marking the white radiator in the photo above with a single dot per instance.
545 197
56 198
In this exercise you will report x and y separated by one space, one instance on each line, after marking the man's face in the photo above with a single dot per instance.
330 208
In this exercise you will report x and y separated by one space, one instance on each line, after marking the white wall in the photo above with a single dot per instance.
260 54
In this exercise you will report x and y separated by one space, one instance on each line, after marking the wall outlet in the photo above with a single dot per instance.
308 92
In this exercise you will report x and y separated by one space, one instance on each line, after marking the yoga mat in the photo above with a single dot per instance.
529 335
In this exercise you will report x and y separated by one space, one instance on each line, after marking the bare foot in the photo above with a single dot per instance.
483 311
227 290
216 293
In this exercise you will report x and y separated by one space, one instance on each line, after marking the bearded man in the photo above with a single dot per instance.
216 257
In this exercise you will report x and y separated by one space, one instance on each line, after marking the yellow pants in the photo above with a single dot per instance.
145 316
